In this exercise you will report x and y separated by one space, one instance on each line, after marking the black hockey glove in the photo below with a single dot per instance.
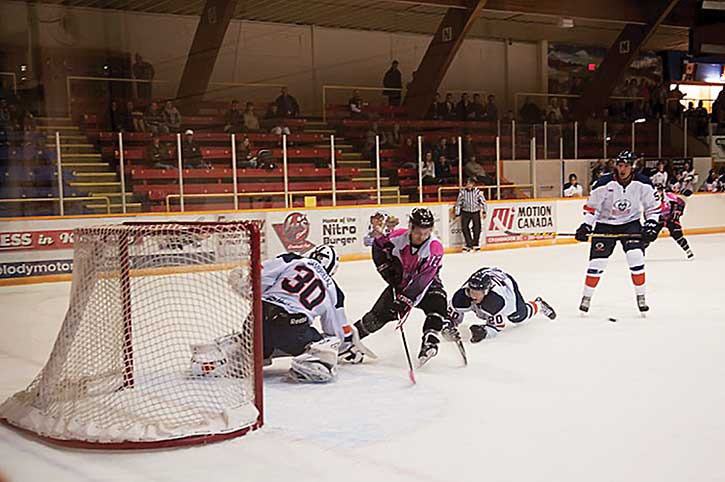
392 272
650 230
402 304
583 232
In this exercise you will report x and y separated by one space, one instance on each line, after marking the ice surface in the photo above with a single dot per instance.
576 399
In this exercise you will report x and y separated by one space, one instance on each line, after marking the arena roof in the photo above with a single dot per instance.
596 22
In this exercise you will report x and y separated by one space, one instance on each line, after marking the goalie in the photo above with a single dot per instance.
295 291
494 296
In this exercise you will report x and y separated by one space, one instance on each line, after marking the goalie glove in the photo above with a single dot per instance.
352 350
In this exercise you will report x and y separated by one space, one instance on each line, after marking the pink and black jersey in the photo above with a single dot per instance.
673 206
420 265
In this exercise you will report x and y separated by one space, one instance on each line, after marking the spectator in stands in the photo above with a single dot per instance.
464 104
393 81
143 70
675 107
452 151
116 118
4 113
600 168
369 146
133 118
659 178
449 108
408 152
553 112
689 179
491 109
429 169
469 148
191 154
658 98
245 154
234 118
154 119
251 121
508 117
718 112
435 111
700 119
530 112
440 149
473 169
477 111
158 154
393 138
287 105
573 188
356 106
577 85
711 183
444 171
172 117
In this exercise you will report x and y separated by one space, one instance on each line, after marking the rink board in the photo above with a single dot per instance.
41 249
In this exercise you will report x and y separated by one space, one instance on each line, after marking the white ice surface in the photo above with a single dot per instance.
577 399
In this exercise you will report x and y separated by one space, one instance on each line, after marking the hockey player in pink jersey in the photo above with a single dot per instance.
673 206
409 260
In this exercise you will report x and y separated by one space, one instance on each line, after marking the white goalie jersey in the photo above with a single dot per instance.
301 285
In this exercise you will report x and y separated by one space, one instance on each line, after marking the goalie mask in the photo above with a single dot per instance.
327 257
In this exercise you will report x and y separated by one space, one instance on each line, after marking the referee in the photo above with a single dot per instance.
471 206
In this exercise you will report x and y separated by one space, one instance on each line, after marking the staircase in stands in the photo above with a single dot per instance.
85 173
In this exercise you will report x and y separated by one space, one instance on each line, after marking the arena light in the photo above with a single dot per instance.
640 120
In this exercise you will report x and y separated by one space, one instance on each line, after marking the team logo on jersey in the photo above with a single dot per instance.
623 205
599 246
293 233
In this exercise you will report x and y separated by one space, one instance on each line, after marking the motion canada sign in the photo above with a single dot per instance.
509 222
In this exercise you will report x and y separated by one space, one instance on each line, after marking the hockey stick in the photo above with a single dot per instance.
411 371
571 235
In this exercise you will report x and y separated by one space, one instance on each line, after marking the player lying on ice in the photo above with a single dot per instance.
614 209
409 260
295 291
494 297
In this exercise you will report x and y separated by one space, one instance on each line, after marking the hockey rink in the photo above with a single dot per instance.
575 399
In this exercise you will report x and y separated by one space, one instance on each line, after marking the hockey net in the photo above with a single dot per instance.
143 296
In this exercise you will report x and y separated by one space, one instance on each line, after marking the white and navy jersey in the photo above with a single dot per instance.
610 202
504 301
301 285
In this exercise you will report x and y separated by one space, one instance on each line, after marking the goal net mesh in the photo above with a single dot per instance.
144 299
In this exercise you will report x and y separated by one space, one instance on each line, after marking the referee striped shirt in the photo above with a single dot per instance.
470 201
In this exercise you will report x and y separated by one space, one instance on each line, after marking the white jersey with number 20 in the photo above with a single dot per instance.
301 285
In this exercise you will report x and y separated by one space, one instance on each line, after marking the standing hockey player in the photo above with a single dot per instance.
296 290
615 206
409 260
673 206
494 297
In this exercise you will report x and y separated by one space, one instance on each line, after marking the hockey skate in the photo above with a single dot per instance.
429 347
584 305
546 308
642 304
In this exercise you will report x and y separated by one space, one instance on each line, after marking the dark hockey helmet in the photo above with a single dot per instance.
422 218
480 282
627 157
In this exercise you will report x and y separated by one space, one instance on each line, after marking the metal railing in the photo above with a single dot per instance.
489 189
395 190
60 200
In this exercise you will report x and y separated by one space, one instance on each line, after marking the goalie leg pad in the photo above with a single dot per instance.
218 359
318 364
